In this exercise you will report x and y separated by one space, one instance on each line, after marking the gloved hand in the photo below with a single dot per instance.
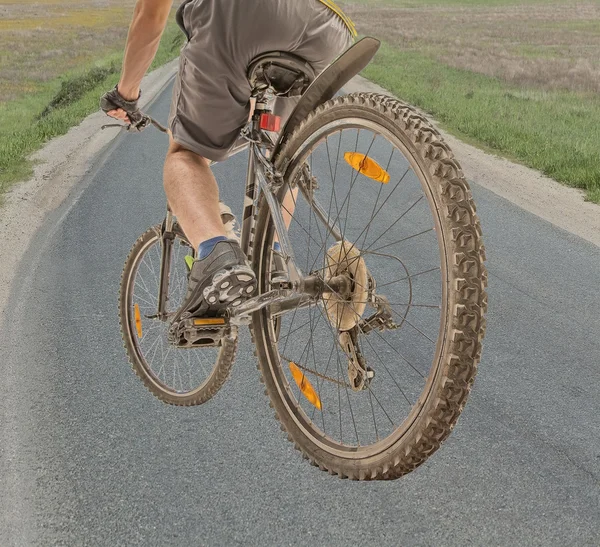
112 100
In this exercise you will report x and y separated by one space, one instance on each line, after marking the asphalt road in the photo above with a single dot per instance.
89 457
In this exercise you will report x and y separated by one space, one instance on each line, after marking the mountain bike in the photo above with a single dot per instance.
369 316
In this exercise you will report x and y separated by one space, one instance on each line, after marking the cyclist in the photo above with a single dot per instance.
210 105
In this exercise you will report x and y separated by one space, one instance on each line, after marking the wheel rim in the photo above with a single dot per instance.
351 435
181 373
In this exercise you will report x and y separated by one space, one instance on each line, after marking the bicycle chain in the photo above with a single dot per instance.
317 374
301 367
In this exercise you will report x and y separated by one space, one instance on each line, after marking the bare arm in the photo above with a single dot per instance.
148 23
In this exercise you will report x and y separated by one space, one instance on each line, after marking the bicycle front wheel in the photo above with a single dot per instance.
371 378
178 376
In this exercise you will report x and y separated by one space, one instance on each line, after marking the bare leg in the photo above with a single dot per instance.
193 194
289 206
287 210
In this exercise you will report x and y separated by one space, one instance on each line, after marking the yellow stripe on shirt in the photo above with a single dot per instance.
338 11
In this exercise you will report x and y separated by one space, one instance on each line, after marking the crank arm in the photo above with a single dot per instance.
280 301
293 302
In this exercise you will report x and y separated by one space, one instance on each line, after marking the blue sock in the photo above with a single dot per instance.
277 247
206 247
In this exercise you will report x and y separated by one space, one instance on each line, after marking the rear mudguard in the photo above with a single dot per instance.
330 81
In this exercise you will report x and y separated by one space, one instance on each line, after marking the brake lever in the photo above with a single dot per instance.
138 127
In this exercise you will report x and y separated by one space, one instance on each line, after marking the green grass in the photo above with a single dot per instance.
442 3
556 132
29 122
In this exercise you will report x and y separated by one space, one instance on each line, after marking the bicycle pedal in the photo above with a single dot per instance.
199 332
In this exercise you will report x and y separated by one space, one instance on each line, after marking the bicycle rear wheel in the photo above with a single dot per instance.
370 379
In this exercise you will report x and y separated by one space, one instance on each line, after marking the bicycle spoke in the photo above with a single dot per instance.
401 240
340 368
386 230
412 276
368 227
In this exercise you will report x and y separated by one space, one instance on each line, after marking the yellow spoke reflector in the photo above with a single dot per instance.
209 321
138 319
305 386
368 167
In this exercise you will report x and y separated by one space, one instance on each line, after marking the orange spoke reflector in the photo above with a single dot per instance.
368 167
305 386
209 321
138 319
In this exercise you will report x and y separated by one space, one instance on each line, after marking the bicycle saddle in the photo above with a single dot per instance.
288 74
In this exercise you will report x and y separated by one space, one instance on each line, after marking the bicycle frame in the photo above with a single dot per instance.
263 178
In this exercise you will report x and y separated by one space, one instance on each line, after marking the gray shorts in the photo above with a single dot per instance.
211 95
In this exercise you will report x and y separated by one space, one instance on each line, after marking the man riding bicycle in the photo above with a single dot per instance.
210 105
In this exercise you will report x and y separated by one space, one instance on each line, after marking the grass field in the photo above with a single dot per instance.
56 58
521 78
43 39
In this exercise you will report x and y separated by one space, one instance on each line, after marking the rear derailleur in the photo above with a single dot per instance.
359 374
382 318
